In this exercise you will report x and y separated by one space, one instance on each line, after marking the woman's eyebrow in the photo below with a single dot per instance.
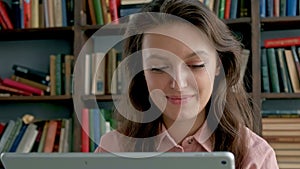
199 53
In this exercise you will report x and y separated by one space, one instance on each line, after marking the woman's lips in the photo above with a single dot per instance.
179 100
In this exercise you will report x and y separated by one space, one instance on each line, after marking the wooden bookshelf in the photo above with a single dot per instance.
77 35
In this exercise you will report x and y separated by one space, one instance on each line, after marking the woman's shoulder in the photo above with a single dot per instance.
260 153
112 141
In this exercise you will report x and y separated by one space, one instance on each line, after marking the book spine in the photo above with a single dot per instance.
16 11
30 83
114 6
282 42
6 134
18 138
21 86
85 130
282 70
98 12
297 63
50 137
221 9
292 70
264 71
5 16
227 9
35 13
31 74
291 7
14 91
27 13
283 7
271 57
270 8
233 9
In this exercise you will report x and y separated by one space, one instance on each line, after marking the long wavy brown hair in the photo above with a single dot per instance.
231 105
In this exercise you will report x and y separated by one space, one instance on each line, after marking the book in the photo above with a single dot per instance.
52 75
233 9
227 9
85 130
31 83
50 136
14 84
281 133
282 8
292 69
43 137
265 72
270 8
291 7
98 75
14 91
296 59
13 135
92 12
221 9
27 13
284 76
6 134
57 136
40 127
28 139
282 42
98 12
16 13
4 14
31 74
69 64
34 14
114 6
272 63
18 138
57 11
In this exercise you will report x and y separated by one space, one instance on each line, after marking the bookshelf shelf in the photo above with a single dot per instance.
99 97
280 95
280 23
36 98
237 21
37 33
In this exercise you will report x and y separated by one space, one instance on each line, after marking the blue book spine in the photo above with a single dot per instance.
291 7
233 9
262 8
64 13
18 138
270 8
97 131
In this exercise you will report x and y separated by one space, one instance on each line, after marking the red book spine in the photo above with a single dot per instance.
27 13
50 137
85 130
2 22
227 9
15 91
5 17
282 42
114 10
21 86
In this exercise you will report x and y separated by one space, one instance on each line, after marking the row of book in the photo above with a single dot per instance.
278 8
95 122
36 13
280 70
229 9
26 81
283 134
101 73
36 136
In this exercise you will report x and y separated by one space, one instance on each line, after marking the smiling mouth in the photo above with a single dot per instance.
179 100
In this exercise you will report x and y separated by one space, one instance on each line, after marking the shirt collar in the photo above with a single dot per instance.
202 136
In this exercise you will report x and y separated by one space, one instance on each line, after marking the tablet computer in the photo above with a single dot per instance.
130 160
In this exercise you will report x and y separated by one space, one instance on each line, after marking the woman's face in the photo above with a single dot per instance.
180 65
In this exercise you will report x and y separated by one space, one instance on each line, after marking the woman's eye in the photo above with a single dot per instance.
158 69
196 66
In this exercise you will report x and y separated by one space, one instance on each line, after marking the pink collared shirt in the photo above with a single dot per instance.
260 154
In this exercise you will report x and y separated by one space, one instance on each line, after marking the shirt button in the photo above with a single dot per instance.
190 141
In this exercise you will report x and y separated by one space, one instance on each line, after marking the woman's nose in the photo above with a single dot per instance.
179 78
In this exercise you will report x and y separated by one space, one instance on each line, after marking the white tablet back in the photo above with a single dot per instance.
199 160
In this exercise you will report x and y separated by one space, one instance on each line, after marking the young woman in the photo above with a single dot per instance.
184 92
